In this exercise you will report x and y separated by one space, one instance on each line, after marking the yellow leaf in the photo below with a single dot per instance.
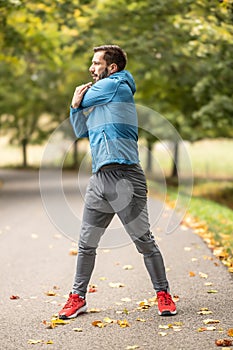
49 342
212 291
93 310
164 326
144 305
102 278
132 347
203 275
108 320
123 323
163 334
77 329
128 267
230 332
33 341
230 269
204 311
210 321
116 285
140 319
98 323
50 293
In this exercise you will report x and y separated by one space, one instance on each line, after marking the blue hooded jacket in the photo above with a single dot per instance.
107 116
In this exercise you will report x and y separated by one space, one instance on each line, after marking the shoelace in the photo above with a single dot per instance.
165 299
69 303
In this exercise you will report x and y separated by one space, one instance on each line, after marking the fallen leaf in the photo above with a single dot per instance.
175 298
98 323
162 334
116 285
210 321
108 320
125 311
204 311
94 310
144 305
192 274
187 249
73 251
50 293
230 332
33 341
127 267
223 342
132 347
194 259
230 269
14 297
49 342
212 291
102 278
123 323
208 284
92 289
77 329
166 326
203 275
140 319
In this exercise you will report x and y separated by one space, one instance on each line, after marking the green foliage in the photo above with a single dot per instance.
180 56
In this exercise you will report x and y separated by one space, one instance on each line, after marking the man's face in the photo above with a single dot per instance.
98 68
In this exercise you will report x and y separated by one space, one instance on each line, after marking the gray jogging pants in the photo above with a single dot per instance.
117 189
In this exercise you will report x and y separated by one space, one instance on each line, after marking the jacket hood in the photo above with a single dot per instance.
127 77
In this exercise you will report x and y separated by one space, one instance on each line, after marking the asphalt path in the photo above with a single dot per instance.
36 245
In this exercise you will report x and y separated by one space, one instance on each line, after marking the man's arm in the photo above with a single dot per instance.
77 117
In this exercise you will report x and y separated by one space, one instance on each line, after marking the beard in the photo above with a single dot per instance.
104 74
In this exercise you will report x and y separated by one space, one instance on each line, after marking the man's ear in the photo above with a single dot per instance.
113 68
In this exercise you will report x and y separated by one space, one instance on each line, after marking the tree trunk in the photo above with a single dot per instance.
175 160
149 156
24 150
75 155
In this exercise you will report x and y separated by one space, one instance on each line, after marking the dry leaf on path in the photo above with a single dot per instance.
203 275
132 347
230 332
94 310
73 251
123 323
223 342
210 321
50 293
77 329
127 267
98 323
116 285
34 341
212 291
163 334
192 274
14 297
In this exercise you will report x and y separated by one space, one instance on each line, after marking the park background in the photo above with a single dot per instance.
180 54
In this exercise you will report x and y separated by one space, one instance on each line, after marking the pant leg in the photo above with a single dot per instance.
136 222
97 216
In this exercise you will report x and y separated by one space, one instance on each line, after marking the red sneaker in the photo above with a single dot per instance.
74 306
166 306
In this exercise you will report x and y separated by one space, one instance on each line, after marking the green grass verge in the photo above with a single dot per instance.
217 217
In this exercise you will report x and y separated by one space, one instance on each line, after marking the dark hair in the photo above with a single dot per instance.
113 54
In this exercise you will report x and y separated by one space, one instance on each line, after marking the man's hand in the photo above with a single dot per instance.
78 94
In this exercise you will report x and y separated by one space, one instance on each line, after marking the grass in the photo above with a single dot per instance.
210 205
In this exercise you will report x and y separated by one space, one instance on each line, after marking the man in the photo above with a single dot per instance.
105 113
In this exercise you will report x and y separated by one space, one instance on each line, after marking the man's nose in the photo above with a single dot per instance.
91 69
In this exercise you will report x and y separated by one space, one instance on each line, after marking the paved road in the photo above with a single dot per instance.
35 258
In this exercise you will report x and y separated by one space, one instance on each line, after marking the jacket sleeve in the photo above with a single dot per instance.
78 122
100 93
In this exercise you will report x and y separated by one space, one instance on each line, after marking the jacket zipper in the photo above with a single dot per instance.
106 142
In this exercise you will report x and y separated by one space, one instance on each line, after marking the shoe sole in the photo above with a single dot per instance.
82 310
167 313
